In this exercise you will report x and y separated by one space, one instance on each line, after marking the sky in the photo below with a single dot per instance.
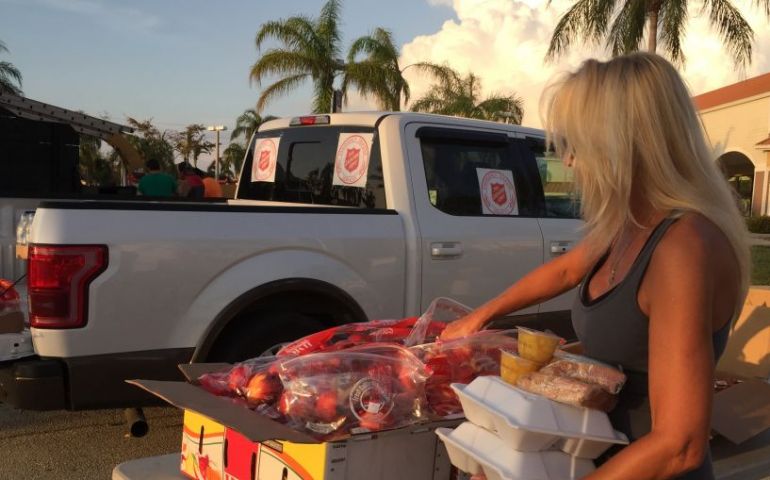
187 61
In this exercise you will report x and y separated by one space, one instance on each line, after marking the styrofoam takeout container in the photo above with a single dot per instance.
475 450
531 423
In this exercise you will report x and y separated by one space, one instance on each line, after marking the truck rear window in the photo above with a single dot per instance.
339 166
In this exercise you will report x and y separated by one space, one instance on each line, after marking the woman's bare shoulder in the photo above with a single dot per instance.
694 250
693 236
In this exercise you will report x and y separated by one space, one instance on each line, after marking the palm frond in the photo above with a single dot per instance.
366 44
370 81
580 20
3 48
498 106
447 76
673 18
327 28
323 89
295 32
736 33
279 88
282 62
429 103
627 29
10 78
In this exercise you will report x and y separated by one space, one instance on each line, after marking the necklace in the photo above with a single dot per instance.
614 266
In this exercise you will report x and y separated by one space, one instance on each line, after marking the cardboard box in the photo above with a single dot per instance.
748 349
222 440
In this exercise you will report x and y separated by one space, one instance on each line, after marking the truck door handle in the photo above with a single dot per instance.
446 249
561 247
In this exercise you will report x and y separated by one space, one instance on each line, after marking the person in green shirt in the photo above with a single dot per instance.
156 183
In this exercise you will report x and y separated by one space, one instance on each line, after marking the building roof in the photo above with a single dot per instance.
731 93
764 144
80 122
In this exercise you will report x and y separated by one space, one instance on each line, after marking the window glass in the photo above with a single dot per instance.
452 174
561 200
305 170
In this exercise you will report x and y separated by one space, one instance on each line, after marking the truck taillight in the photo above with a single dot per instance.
58 278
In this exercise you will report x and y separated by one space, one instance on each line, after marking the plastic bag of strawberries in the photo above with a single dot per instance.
330 394
407 331
460 361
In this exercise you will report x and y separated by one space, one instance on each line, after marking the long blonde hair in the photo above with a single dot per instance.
631 125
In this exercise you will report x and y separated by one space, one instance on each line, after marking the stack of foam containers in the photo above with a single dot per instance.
515 435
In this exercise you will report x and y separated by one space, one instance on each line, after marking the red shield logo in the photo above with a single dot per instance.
264 159
498 193
352 159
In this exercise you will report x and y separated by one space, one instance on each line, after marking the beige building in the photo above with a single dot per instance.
737 121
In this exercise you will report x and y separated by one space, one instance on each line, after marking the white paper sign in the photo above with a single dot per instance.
265 160
498 192
351 163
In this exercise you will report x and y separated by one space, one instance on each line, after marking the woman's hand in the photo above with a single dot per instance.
462 327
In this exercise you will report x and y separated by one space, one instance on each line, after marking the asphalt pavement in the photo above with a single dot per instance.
79 445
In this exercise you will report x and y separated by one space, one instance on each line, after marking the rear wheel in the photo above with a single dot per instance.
256 334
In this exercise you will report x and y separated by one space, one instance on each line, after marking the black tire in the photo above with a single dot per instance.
254 335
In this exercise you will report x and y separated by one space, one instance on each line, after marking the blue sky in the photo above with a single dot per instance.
176 61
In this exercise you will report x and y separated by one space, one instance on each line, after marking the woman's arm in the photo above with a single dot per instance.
679 293
547 281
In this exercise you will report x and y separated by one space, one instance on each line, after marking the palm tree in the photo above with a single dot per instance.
622 26
96 169
311 51
191 143
378 74
10 76
459 96
231 162
248 123
152 143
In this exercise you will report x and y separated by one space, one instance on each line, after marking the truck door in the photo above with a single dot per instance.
560 221
476 212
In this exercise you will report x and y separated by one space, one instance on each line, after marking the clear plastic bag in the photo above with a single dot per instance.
585 369
369 388
568 390
256 381
460 361
407 331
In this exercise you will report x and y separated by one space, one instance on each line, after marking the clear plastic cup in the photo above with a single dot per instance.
513 366
537 346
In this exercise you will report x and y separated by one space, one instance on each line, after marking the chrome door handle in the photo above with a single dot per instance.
446 249
561 247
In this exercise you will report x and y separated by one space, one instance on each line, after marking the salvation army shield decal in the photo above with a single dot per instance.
498 193
352 159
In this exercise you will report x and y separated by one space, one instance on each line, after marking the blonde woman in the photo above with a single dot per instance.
662 268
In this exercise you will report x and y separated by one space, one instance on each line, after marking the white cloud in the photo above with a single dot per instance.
504 42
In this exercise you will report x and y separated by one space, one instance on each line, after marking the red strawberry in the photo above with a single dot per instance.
326 406
238 378
263 388
370 422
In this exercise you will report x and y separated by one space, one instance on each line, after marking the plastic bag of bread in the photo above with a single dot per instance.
587 370
568 390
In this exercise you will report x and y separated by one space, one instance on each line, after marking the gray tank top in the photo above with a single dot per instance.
612 328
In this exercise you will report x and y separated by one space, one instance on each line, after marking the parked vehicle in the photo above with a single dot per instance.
337 218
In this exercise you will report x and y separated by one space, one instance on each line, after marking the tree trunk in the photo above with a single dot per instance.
652 40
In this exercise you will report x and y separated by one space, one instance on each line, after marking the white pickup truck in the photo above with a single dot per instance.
337 218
